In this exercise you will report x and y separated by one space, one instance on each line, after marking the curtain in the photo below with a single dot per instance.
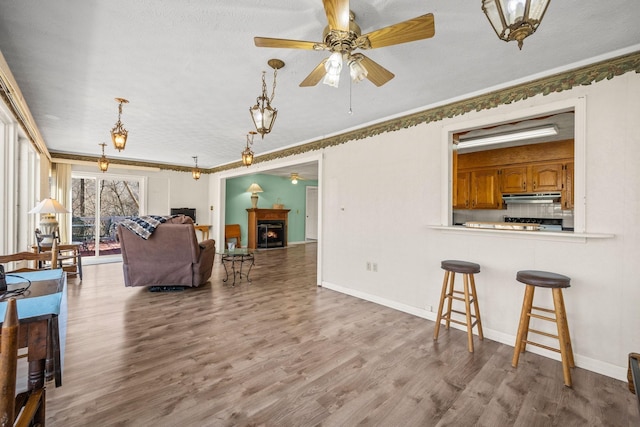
61 178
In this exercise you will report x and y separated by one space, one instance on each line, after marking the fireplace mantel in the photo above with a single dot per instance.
257 215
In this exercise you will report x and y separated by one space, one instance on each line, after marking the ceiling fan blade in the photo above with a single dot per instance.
316 75
284 43
422 27
337 14
376 73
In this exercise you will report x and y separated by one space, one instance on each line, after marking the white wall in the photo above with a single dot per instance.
378 209
380 195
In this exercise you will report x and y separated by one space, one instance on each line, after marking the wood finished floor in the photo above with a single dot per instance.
282 352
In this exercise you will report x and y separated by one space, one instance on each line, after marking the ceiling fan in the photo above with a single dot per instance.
342 36
295 178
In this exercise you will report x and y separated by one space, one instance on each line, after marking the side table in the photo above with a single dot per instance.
237 256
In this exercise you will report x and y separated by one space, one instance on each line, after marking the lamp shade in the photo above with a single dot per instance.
49 206
254 188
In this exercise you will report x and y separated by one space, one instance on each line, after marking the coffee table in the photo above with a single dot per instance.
237 257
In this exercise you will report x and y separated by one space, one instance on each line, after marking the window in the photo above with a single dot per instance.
455 212
98 203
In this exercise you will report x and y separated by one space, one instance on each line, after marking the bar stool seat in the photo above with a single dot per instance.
467 269
556 282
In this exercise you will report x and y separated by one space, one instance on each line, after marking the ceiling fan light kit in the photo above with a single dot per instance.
119 133
263 114
342 36
515 19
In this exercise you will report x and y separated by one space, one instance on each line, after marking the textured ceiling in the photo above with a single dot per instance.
191 71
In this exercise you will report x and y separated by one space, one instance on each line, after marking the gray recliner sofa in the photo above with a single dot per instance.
171 256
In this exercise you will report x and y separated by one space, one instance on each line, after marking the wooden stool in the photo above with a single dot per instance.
556 282
467 269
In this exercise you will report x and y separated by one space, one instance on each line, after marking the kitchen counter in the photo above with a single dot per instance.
538 235
516 226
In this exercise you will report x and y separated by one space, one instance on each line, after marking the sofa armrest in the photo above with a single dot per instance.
206 244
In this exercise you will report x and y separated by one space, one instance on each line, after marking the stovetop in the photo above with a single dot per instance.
543 221
546 224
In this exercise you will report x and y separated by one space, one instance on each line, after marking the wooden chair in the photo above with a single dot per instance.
69 257
29 406
41 260
232 231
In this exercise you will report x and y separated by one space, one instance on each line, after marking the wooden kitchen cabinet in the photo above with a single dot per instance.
462 199
485 189
514 179
478 189
533 178
567 192
547 177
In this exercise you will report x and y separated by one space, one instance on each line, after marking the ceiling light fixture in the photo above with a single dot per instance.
262 114
103 162
514 19
356 69
195 172
508 137
119 133
333 67
247 154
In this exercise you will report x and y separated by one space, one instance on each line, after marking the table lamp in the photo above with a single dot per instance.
48 222
254 189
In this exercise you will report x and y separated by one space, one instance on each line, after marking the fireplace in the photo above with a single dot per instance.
267 228
271 234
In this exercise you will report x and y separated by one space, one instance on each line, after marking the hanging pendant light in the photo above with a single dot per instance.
119 133
515 19
195 172
262 114
103 162
247 154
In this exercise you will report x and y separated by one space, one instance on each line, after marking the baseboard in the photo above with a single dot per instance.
593 365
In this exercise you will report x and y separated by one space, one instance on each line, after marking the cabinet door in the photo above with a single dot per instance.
567 194
547 177
514 179
461 195
485 191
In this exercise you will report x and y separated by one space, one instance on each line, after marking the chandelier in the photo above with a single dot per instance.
514 19
262 114
119 133
103 162
195 172
247 154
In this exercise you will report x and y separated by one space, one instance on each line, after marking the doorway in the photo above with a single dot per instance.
311 212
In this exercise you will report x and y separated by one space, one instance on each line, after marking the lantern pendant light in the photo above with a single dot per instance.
247 154
119 133
515 19
262 114
195 172
103 162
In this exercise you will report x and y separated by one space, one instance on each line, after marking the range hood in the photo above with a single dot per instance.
531 197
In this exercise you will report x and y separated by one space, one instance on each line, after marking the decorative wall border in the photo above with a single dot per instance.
566 80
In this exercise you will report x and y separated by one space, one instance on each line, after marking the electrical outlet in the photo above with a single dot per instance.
375 267
368 266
